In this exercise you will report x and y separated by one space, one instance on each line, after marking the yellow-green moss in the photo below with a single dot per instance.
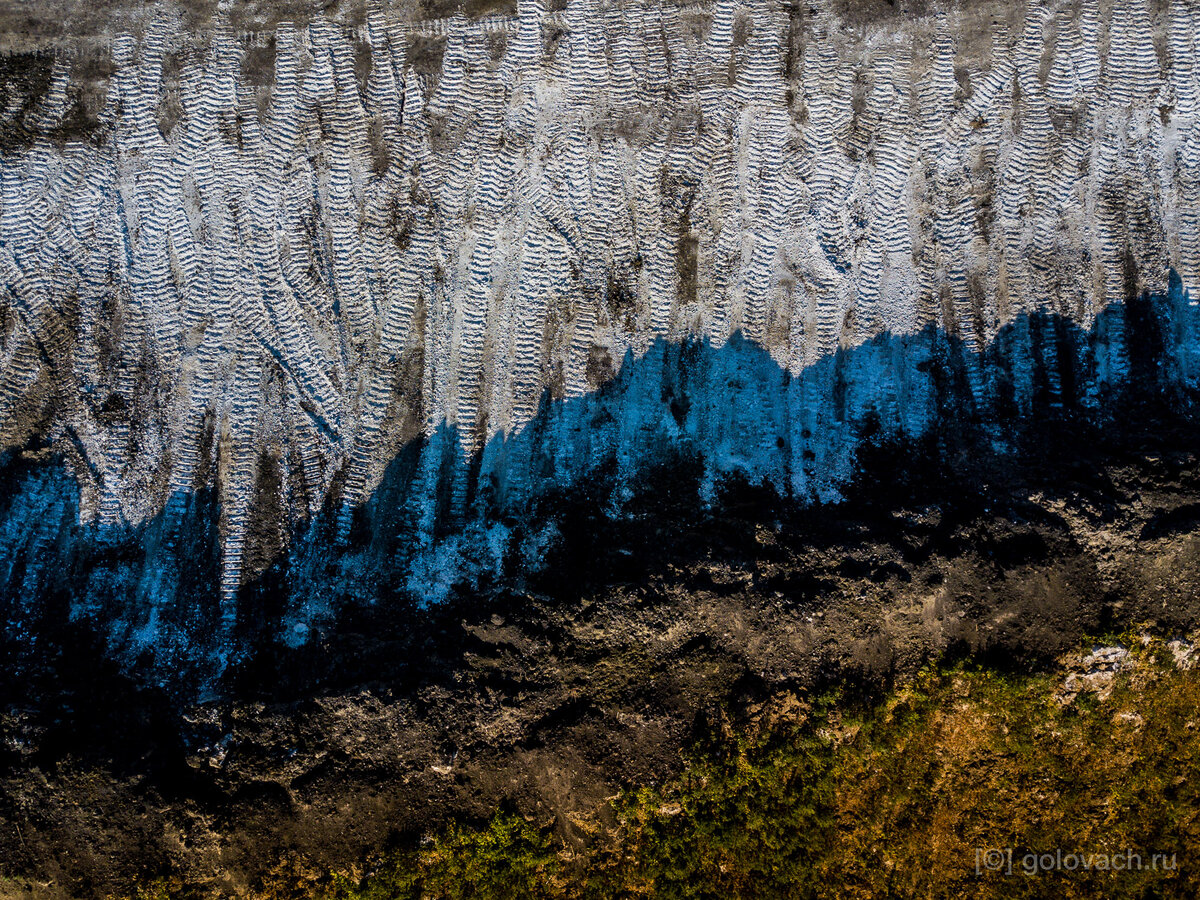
895 800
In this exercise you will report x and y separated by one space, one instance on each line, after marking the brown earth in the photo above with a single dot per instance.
640 633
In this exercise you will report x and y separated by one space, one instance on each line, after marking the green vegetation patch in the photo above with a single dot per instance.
947 788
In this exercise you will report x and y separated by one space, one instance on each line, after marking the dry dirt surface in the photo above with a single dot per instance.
639 635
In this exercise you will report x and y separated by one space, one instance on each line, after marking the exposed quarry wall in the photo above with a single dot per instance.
284 260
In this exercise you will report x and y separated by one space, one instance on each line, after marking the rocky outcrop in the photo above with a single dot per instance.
640 635
298 272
